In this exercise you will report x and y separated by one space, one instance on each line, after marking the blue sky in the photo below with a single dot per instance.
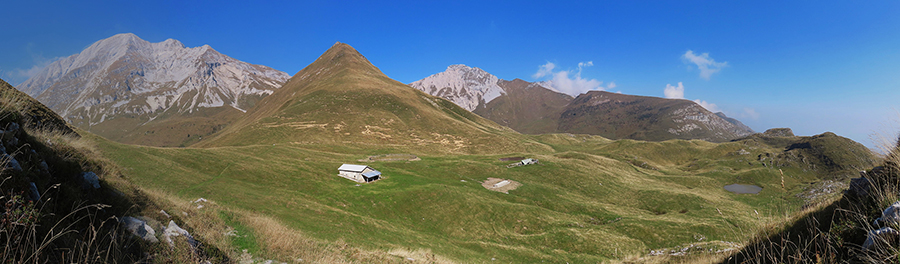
813 66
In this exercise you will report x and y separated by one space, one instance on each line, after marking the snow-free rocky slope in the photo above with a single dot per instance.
465 86
532 108
130 90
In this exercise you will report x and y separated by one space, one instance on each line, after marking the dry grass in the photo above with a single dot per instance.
31 233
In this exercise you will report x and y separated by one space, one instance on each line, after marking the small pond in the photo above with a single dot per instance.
743 188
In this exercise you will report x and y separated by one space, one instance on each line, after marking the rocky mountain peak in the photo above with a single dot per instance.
125 75
465 86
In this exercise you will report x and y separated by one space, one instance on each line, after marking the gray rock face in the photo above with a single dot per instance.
45 169
173 230
12 163
465 86
885 236
890 216
125 76
33 193
12 128
139 228
90 180
859 186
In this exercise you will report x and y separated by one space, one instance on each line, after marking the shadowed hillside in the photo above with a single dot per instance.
616 116
526 107
51 212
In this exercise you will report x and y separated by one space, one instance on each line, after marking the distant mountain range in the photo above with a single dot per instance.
165 94
532 108
127 89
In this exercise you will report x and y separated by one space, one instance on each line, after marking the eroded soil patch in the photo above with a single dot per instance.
500 185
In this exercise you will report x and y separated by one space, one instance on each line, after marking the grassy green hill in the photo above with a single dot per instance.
341 99
169 129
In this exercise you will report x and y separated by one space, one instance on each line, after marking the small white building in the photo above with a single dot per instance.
359 173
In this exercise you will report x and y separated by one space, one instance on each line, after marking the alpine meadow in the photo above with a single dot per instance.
432 143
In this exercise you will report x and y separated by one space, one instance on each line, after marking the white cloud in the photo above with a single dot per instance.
677 92
707 65
544 70
611 85
674 92
19 75
569 82
709 106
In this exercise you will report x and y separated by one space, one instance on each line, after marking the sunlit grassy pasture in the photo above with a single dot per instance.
589 199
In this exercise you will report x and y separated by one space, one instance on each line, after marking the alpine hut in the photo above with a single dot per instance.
359 173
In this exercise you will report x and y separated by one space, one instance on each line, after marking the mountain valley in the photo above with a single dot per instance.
617 177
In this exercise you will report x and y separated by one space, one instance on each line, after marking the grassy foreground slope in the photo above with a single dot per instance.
590 199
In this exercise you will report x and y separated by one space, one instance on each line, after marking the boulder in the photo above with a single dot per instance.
45 169
173 230
12 163
890 216
139 228
33 192
90 180
859 186
12 127
885 236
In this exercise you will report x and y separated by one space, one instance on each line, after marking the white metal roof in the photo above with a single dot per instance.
372 174
353 167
